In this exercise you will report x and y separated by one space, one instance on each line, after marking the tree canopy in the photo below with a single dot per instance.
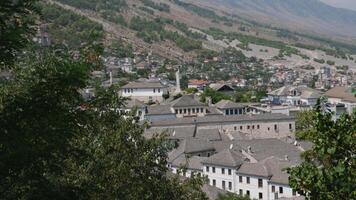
328 169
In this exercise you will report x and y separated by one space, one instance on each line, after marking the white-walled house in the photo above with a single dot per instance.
294 95
146 91
342 100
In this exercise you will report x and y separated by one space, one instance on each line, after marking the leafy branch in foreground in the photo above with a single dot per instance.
329 168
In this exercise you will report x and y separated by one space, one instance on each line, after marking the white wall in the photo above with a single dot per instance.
219 177
252 186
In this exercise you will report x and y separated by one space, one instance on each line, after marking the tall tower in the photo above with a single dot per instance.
178 89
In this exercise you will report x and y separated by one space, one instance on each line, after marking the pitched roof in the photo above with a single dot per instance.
197 82
209 134
227 157
186 101
217 86
271 167
194 145
223 104
343 93
159 110
143 84
222 119
305 91
264 148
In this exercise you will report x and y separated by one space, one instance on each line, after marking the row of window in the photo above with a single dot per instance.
189 110
233 111
260 181
223 184
229 171
248 127
131 90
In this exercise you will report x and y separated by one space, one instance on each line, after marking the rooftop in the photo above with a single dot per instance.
343 93
143 84
224 104
186 101
227 158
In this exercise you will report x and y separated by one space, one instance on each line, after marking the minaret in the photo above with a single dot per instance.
178 90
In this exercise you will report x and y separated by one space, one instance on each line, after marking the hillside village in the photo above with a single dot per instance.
227 106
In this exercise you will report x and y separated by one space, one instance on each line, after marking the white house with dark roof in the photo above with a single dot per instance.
342 100
188 106
146 91
294 95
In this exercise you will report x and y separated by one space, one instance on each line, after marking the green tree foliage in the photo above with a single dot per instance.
305 127
66 27
158 6
232 196
328 170
215 95
121 50
97 5
16 28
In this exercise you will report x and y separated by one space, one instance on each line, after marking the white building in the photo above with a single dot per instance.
342 100
146 91
295 96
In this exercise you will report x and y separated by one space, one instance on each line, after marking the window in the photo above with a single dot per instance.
268 128
180 111
213 169
207 168
185 111
241 127
258 126
248 127
235 128
226 112
248 180
273 188
208 154
229 171
230 185
189 110
223 185
193 110
236 112
241 192
248 193
253 126
197 110
275 127
159 90
260 183
201 110
214 182
231 112
281 190
176 111
294 192
260 195
223 170
240 179
154 90
290 127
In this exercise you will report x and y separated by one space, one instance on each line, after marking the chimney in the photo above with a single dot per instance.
178 88
231 146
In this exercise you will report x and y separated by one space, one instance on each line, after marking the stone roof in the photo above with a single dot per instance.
159 110
193 162
272 168
186 101
227 158
143 84
264 148
209 134
217 86
224 104
222 119
343 93
305 91
194 145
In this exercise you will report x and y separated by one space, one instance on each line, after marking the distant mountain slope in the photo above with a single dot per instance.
348 4
298 15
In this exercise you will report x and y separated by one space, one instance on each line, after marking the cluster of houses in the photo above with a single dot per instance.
242 148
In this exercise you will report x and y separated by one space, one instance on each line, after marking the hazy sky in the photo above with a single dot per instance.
350 4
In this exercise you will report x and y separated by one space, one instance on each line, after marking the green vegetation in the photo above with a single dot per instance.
147 10
153 31
158 6
215 95
16 28
114 17
321 61
54 144
245 95
120 49
202 11
97 5
232 196
328 169
68 28
330 62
